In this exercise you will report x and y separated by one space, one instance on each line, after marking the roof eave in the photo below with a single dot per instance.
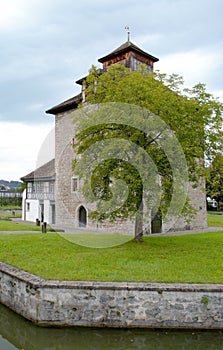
112 55
56 110
36 178
66 105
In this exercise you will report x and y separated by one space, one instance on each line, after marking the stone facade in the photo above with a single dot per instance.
107 304
198 201
68 201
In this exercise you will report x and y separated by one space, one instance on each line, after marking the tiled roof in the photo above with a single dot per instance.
127 46
46 171
67 105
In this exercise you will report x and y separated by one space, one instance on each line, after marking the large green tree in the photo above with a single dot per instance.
193 116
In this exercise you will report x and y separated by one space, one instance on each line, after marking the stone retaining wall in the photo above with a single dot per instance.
108 304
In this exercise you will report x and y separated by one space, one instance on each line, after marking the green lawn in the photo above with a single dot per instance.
215 219
6 225
10 207
186 258
10 215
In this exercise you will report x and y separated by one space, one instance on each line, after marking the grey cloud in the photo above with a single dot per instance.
40 61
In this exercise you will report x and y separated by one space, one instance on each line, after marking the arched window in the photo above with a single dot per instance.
82 216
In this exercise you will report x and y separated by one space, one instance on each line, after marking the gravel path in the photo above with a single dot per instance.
172 233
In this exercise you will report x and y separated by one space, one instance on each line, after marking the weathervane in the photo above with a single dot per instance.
128 32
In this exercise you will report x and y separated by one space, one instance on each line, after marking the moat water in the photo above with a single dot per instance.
18 333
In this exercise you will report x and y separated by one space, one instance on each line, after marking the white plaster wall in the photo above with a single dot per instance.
24 205
47 211
33 213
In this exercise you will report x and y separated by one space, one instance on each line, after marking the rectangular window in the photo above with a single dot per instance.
39 187
46 187
51 187
29 187
33 187
74 184
27 206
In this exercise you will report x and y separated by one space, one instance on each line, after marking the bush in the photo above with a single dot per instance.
12 202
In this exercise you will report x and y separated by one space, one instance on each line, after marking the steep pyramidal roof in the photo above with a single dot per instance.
127 46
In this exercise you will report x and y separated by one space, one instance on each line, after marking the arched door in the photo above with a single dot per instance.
82 217
156 223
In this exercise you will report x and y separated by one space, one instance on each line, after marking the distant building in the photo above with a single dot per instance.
10 194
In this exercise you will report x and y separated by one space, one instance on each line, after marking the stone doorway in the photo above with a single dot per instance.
156 223
82 216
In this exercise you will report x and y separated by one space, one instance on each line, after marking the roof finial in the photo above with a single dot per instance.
128 32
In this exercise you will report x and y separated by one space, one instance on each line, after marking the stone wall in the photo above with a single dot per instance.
67 201
107 304
197 198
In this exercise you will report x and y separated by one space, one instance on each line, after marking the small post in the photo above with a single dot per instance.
37 222
44 225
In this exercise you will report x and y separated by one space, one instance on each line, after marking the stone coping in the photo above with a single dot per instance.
36 281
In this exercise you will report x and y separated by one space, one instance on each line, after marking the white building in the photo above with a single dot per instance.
38 197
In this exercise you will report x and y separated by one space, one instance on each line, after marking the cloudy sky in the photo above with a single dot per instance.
46 45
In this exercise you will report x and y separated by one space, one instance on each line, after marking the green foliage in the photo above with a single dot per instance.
193 115
214 179
101 184
10 202
186 111
204 300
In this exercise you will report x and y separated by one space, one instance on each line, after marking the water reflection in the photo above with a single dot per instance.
17 333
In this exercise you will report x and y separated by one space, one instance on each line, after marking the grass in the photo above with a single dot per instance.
7 225
97 240
10 207
185 258
215 219
10 215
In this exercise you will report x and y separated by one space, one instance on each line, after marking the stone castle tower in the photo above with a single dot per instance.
71 208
